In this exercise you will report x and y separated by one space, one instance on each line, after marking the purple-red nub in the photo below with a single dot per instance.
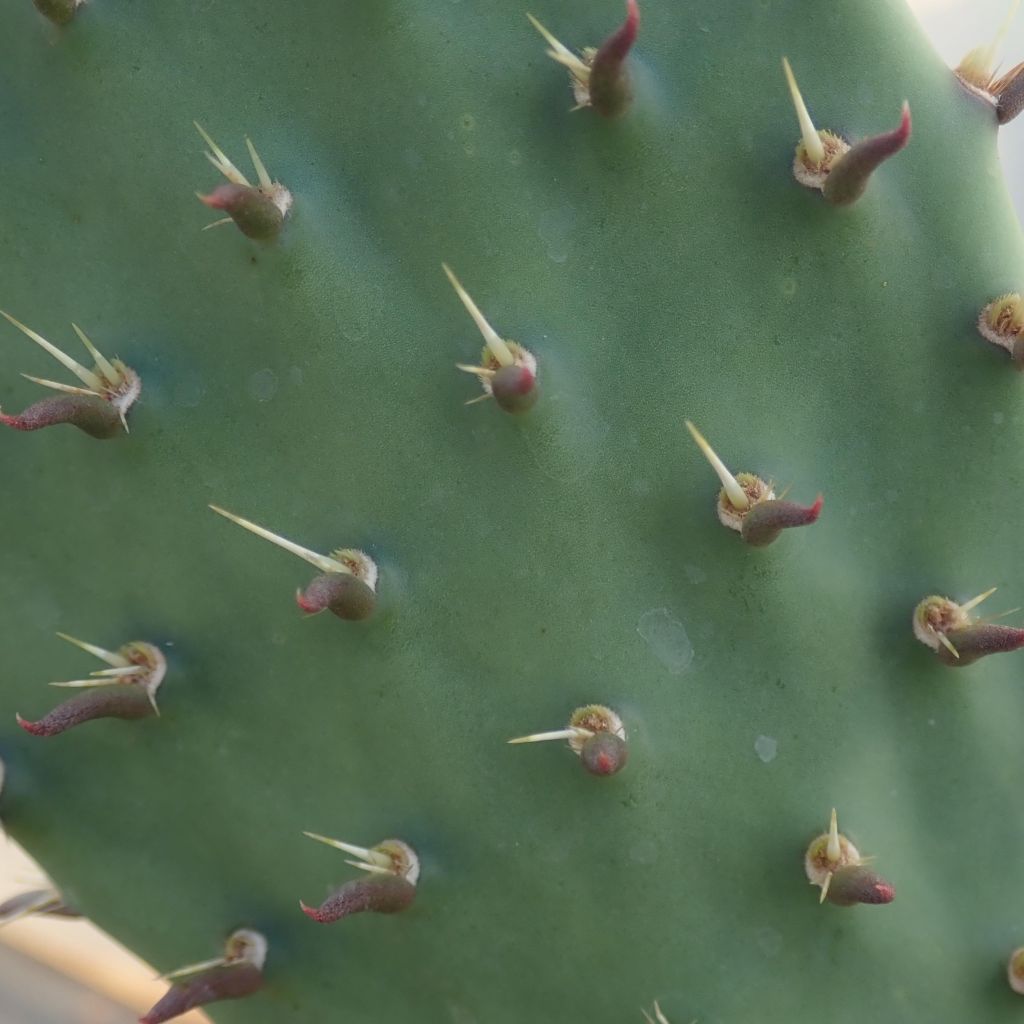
978 640
604 753
381 894
767 519
611 90
257 215
857 884
341 593
95 416
121 702
849 176
514 388
238 973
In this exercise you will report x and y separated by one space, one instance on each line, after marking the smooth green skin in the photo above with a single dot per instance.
662 267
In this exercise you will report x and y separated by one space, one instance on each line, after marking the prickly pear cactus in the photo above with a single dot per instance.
557 559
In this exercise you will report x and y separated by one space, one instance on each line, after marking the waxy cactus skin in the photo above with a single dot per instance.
661 266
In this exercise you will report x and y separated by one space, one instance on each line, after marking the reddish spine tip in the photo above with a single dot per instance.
526 381
96 416
850 174
225 197
311 912
381 894
903 132
32 728
233 981
341 593
618 45
980 639
13 421
609 86
126 702
604 753
766 520
884 893
856 883
514 388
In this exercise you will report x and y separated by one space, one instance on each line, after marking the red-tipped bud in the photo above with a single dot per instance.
595 734
98 418
231 982
380 894
237 974
767 519
978 640
849 175
257 214
514 388
604 753
127 702
611 90
339 592
60 12
857 884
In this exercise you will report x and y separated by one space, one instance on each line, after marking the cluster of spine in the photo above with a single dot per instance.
508 373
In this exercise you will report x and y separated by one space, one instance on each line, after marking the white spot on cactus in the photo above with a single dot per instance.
766 748
997 418
789 287
695 574
263 385
188 391
555 230
667 638
769 941
644 852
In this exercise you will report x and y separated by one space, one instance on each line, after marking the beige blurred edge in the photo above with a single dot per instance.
84 953
78 949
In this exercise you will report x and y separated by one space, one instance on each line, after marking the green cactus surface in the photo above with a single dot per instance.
662 266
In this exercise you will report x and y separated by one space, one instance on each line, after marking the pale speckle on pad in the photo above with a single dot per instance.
644 852
667 639
263 385
555 229
769 941
766 748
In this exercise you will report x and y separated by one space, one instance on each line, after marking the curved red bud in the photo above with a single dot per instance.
233 981
381 894
767 519
128 702
604 753
978 640
339 592
849 176
255 213
514 388
98 418
611 90
856 884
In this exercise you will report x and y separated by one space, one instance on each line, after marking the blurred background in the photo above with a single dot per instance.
54 970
